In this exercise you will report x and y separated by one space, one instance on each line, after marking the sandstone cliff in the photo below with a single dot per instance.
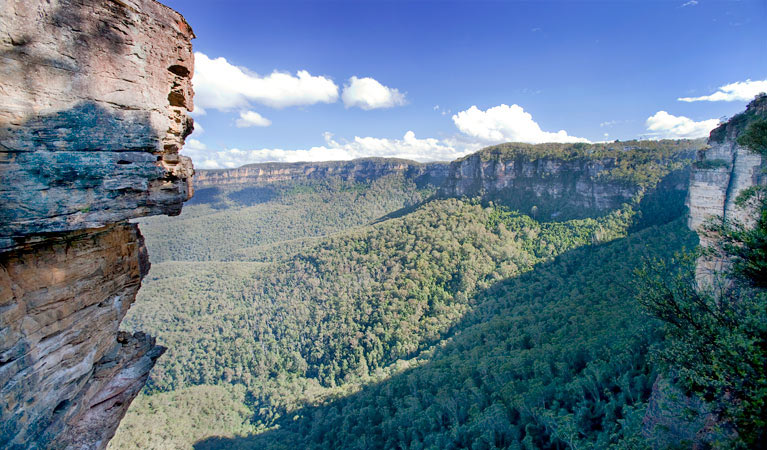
560 181
93 113
358 169
721 173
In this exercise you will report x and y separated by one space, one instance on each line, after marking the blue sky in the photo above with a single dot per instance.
317 80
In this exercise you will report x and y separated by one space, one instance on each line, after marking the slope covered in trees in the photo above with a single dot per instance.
303 293
555 358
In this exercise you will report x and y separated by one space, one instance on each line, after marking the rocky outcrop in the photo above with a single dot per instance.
676 420
557 181
721 173
723 170
358 169
93 112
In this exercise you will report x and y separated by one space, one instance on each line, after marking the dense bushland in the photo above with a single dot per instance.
310 302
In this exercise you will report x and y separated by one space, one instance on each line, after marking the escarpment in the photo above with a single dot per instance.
721 173
92 117
356 170
562 181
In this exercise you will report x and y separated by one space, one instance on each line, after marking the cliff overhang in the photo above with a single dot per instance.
93 114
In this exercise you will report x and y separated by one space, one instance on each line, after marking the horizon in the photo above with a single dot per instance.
447 161
434 81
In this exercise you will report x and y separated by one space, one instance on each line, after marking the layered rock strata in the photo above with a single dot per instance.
93 113
556 181
722 172
545 181
358 169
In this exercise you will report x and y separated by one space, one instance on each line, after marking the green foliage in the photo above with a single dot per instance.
180 418
755 137
239 223
441 323
747 247
716 342
554 358
349 304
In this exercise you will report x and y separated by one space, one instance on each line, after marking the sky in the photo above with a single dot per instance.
435 80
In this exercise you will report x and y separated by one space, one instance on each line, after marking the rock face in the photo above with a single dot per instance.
558 181
720 174
676 420
722 171
358 169
565 186
93 112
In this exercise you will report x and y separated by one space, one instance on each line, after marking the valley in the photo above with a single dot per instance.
291 301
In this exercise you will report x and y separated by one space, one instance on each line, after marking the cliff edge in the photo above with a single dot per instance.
93 113
722 171
565 181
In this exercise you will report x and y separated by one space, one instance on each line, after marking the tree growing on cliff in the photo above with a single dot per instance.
716 342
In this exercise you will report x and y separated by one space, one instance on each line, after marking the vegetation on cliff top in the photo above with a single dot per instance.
642 163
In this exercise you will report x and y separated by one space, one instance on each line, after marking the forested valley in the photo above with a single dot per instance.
343 313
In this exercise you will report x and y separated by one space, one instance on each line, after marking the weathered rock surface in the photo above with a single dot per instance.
93 112
722 172
358 169
676 420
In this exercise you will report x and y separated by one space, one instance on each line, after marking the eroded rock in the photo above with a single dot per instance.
721 173
93 112
88 134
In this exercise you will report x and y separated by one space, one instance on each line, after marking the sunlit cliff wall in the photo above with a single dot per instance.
721 173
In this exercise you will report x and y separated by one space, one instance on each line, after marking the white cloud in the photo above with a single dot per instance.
665 125
367 93
409 147
192 142
690 3
505 123
198 129
221 85
738 91
252 119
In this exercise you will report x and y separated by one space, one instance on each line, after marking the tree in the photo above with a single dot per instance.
716 341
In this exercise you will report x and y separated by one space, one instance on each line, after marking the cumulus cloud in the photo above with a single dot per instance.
505 123
252 119
664 125
409 147
221 85
367 93
738 91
